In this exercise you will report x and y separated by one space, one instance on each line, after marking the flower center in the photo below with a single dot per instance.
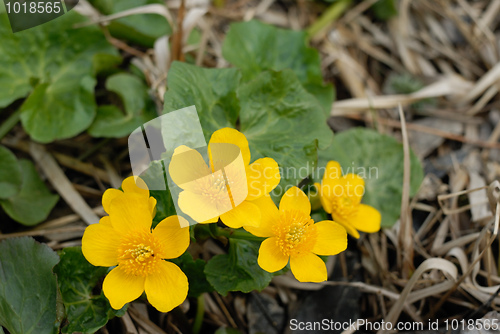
344 206
139 253
296 233
213 188
223 189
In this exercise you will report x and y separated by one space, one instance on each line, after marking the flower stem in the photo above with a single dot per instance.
200 313
232 234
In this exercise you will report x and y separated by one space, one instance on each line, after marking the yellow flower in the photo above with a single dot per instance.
341 197
228 186
292 235
124 239
131 184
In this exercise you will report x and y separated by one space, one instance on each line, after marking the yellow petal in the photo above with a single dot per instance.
105 221
324 198
232 136
263 176
202 208
348 227
245 214
308 268
129 212
100 243
295 199
121 288
186 166
367 219
152 206
331 239
134 184
354 187
173 237
333 172
166 288
227 159
269 213
271 258
210 221
108 196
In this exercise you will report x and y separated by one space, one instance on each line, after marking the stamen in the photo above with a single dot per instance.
344 206
139 253
295 232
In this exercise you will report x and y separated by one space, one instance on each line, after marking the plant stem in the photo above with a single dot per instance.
216 231
10 122
331 14
200 313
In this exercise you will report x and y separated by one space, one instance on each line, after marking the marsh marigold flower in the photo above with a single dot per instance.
341 197
124 239
228 185
292 235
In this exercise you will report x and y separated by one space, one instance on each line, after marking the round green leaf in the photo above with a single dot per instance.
212 91
113 122
10 174
278 116
34 202
28 288
255 47
52 63
281 120
378 159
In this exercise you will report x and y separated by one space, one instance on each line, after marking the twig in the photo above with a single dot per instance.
436 132
61 183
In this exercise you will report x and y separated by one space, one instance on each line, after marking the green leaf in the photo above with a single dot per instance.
238 270
279 117
105 64
142 29
52 63
34 202
28 288
212 91
255 47
194 271
86 312
283 121
10 174
139 108
379 160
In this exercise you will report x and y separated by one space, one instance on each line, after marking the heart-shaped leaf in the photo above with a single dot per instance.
51 65
34 202
255 47
28 288
111 121
278 116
